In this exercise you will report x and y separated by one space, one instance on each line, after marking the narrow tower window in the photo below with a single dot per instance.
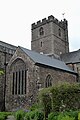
41 31
41 43
59 31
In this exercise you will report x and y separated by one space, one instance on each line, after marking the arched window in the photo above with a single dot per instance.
48 82
41 31
18 72
41 43
59 31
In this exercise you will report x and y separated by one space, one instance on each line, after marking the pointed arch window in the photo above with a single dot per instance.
41 31
19 77
48 82
19 82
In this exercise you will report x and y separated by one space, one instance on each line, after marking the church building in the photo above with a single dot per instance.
28 71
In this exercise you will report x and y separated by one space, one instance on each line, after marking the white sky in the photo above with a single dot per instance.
16 17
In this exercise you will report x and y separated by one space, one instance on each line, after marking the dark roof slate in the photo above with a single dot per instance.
6 45
71 57
45 60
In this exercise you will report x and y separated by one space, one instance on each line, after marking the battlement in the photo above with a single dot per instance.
62 23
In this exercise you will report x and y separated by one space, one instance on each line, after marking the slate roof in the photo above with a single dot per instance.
6 45
72 57
45 60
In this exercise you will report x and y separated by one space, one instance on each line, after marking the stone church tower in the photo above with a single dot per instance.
50 36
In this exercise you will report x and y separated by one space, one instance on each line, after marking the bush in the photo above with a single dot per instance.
30 115
78 116
66 118
39 115
36 106
72 115
34 115
53 116
60 98
19 115
62 116
3 115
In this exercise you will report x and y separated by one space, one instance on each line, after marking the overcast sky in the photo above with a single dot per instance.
16 17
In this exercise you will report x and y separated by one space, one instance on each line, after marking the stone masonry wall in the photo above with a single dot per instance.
57 76
4 58
14 101
1 92
50 42
35 74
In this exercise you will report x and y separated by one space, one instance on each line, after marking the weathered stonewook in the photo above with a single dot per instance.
24 77
6 52
36 75
54 37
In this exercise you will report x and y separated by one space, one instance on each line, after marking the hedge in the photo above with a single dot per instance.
34 115
72 115
61 97
3 115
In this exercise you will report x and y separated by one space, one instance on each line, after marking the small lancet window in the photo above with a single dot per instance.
59 31
41 44
48 81
41 31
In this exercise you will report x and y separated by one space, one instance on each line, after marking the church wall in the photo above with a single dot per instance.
76 68
4 58
18 100
35 79
1 92
57 75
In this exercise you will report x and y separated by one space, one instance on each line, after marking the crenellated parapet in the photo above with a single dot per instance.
63 23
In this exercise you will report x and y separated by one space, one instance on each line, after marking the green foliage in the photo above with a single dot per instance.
60 98
78 116
19 115
39 115
34 115
36 106
27 116
45 101
3 115
72 115
66 118
62 116
53 116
